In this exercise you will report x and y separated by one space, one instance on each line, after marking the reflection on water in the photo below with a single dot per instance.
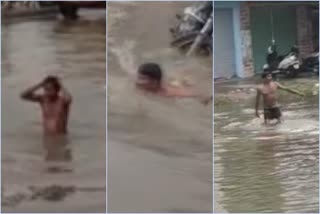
75 51
267 169
159 149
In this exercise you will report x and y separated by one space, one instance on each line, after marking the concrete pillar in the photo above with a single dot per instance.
246 41
304 30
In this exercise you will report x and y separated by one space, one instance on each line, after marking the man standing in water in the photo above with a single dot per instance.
150 79
55 103
268 91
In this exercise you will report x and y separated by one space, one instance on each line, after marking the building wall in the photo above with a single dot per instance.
304 34
243 39
235 6
304 31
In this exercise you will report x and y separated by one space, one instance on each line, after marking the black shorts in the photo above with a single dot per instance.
272 113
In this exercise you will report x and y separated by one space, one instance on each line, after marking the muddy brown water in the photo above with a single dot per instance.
31 49
159 150
267 169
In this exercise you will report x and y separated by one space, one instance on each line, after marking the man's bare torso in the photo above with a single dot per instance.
55 115
269 94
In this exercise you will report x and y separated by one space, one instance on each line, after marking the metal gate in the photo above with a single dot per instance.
224 51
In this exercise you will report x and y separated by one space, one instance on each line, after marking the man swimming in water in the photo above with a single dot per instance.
150 79
55 102
268 91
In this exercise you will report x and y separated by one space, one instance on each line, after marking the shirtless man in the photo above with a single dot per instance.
55 102
150 79
268 91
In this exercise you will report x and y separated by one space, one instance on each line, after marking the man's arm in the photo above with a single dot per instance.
257 102
180 92
289 89
30 95
65 94
187 93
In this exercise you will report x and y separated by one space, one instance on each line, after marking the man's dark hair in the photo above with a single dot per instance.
265 74
151 70
54 81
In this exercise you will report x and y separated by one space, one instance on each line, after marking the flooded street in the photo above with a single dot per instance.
33 48
267 169
159 149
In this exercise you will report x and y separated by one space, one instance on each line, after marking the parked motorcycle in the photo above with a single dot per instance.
287 65
311 63
194 28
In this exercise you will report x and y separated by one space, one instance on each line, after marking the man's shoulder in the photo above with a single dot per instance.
259 87
64 101
276 83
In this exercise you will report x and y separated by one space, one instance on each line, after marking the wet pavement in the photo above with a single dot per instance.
266 169
75 51
159 150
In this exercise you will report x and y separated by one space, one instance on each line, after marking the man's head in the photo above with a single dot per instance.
51 86
149 76
267 77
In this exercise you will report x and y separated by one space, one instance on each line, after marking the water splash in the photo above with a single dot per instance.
125 56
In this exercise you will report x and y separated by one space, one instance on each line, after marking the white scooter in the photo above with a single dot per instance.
287 65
